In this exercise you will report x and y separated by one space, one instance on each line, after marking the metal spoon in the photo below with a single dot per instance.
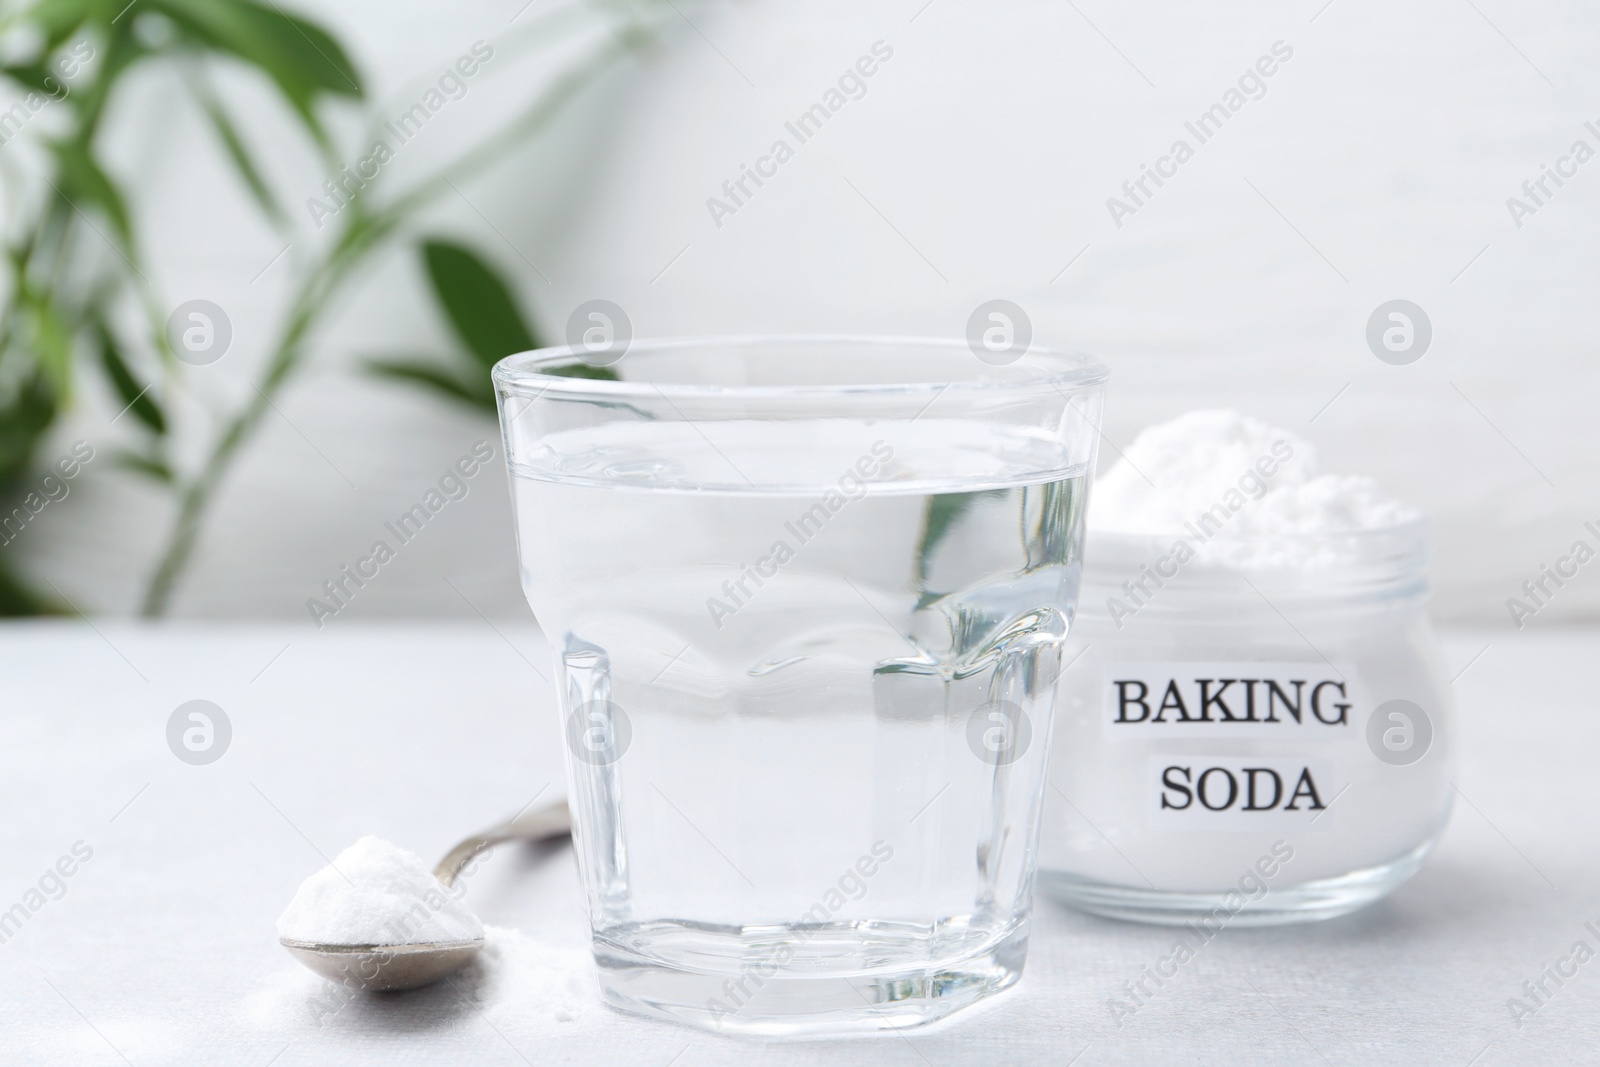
381 968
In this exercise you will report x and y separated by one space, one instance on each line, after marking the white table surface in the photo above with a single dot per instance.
162 948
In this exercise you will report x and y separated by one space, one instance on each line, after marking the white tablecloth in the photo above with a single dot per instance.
160 947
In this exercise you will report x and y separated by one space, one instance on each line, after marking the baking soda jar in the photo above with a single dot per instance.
1253 726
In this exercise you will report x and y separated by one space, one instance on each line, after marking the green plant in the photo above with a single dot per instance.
63 294
64 300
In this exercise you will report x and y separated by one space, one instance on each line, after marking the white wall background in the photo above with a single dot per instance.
977 165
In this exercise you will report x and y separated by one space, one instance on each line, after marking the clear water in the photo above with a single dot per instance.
819 798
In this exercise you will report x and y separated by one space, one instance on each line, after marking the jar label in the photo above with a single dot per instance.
1240 793
1262 700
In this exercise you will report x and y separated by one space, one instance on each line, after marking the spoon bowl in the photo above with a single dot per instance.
384 968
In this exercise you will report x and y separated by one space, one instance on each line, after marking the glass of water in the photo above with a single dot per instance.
807 598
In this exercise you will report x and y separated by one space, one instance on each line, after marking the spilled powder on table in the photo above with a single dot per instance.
514 980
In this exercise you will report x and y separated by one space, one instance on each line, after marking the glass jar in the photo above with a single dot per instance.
1247 731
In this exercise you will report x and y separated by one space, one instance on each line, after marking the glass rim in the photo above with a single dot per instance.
524 373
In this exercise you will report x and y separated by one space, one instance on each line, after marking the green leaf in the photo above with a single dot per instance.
149 466
242 160
16 599
26 415
59 19
477 302
299 56
83 182
35 77
135 397
479 394
51 343
943 511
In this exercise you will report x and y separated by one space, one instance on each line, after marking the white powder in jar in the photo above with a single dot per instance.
1219 476
1220 564
376 893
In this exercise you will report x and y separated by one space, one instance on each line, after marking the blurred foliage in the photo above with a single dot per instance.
479 307
943 512
477 303
62 292
77 274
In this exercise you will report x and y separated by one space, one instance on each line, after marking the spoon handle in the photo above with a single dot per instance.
536 824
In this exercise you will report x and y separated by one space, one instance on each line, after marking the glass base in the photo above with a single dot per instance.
1325 898
829 979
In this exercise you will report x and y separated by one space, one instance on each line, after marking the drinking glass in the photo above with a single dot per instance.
807 599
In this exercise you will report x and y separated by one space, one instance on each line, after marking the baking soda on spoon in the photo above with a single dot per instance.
376 893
